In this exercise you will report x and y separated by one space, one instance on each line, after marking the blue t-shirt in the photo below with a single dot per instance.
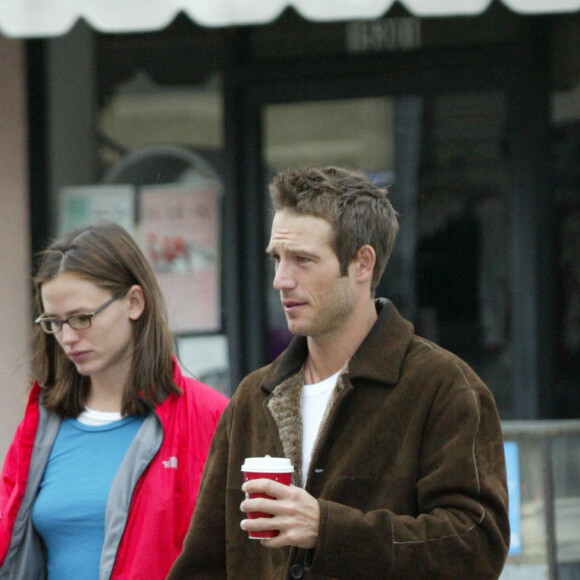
69 511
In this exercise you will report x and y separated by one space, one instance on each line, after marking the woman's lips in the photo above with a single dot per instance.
78 356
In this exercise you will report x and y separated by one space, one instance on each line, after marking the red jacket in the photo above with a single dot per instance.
153 495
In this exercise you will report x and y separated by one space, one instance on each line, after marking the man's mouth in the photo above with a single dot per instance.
291 305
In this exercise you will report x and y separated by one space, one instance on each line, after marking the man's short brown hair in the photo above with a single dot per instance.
359 212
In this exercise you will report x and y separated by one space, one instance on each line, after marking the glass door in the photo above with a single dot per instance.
353 133
443 158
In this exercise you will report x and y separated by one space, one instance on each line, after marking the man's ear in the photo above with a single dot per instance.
365 263
136 302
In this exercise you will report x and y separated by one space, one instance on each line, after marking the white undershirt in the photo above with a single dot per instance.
93 417
315 398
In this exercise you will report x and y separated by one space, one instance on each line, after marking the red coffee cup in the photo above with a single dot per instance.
276 468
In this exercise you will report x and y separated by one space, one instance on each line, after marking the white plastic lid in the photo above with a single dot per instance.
268 464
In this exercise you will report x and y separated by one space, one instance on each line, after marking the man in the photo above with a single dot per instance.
396 443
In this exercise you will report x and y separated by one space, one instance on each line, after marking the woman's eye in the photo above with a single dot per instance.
80 321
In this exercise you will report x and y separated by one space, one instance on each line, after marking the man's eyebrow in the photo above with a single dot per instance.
293 252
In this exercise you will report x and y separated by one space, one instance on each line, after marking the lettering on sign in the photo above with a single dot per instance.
383 35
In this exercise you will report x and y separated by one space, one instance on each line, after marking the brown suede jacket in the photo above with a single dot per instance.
408 469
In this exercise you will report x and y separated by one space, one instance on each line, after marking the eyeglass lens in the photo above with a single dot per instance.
79 322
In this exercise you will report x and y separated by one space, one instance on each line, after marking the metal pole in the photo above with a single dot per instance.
551 548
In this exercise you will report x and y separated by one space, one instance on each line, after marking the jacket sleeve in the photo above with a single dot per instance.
15 472
204 554
460 528
9 496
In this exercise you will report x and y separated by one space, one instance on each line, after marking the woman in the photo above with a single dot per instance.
101 478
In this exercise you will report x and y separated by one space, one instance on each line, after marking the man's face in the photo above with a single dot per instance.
317 300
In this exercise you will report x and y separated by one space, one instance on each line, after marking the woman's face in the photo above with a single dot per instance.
103 351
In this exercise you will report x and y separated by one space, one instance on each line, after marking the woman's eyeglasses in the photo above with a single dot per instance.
76 321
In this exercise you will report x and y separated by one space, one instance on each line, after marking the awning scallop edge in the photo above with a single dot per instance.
46 18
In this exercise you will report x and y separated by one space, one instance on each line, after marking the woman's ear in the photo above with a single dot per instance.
365 263
136 301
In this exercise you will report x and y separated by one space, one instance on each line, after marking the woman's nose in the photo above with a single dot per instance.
67 334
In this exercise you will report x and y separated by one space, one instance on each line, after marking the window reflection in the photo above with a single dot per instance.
566 164
444 156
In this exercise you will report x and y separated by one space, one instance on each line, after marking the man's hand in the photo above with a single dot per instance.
295 512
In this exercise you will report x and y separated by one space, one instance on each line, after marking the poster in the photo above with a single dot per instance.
179 233
81 205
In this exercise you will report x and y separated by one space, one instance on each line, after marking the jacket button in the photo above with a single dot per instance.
296 572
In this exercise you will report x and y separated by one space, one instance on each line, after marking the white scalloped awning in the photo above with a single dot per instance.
43 18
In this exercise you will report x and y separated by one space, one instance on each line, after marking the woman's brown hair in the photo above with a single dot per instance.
105 254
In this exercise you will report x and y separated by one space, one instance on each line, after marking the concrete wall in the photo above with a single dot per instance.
14 240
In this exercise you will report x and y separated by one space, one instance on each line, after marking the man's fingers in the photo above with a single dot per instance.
261 504
267 486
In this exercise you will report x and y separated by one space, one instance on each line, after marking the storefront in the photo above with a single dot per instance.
470 114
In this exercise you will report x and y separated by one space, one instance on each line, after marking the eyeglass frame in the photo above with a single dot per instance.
87 315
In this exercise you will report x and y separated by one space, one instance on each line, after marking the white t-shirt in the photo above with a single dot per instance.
96 418
315 398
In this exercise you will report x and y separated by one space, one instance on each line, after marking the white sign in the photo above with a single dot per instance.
81 205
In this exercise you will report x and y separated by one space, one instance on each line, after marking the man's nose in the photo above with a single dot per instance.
283 278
